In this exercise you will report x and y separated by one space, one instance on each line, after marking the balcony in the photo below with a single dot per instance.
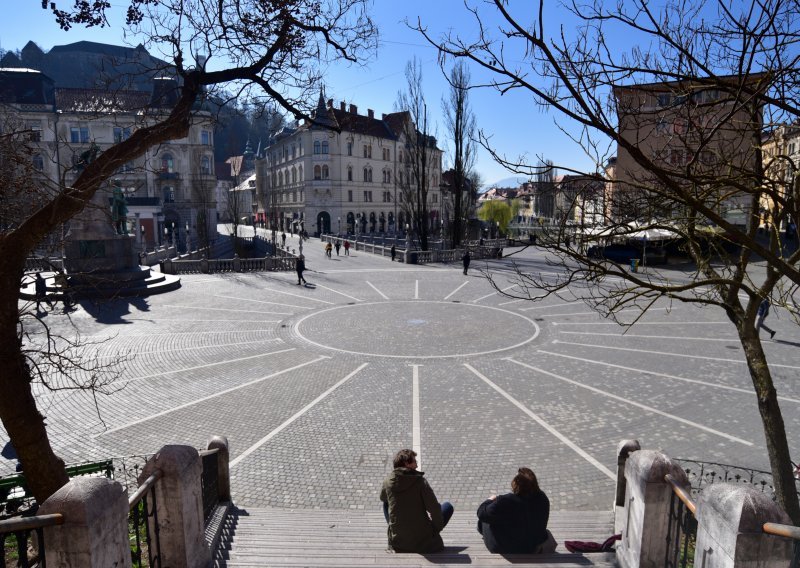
168 175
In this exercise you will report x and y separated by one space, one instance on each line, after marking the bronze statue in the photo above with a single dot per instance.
119 210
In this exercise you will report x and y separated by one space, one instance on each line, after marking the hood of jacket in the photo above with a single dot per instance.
403 479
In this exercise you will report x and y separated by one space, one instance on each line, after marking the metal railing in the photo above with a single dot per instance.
22 540
701 474
682 527
142 506
209 480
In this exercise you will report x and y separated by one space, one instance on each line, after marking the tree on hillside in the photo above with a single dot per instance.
271 52
688 109
420 156
461 127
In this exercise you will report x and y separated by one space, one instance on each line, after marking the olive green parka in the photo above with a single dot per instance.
411 500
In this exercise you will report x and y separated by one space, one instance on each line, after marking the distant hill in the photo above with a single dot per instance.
513 181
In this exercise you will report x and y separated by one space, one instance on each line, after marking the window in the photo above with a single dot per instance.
349 173
169 195
317 147
679 126
300 173
367 174
367 196
387 197
205 166
662 126
349 195
294 196
294 175
294 151
791 148
317 172
664 99
280 179
167 164
38 162
126 168
205 137
325 147
121 134
387 176
325 172
349 148
35 130
435 198
79 134
367 151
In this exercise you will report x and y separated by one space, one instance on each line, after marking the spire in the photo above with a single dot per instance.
323 116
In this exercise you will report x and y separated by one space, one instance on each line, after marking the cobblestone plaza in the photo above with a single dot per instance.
317 386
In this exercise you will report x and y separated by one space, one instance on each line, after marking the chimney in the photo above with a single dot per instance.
370 113
383 116
353 109
342 106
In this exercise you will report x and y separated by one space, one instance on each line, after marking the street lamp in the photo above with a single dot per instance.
340 225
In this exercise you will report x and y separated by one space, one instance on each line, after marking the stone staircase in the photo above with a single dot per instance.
282 537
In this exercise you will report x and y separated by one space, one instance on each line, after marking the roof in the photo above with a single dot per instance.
99 100
99 48
25 86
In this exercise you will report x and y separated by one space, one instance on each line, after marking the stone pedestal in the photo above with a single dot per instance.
116 253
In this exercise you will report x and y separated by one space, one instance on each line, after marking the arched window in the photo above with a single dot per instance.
316 147
167 164
324 146
280 179
38 162
349 173
317 172
205 166
325 173
367 174
300 173
274 180
294 175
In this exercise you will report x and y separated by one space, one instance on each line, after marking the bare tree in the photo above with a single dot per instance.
271 52
462 129
686 109
420 156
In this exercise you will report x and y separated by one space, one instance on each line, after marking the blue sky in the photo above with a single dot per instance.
516 125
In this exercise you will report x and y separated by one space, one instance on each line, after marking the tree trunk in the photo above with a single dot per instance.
21 419
772 420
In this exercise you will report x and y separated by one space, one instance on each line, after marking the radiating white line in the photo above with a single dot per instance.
186 333
210 397
548 306
492 294
456 290
384 296
638 323
668 354
631 335
136 352
416 289
569 443
207 365
632 403
294 417
514 301
337 292
261 302
309 298
748 392
416 432
196 320
192 308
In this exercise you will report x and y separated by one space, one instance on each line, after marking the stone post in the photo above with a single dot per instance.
179 504
729 532
223 466
624 449
95 529
647 502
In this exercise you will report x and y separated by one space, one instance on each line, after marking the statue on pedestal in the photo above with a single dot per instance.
119 209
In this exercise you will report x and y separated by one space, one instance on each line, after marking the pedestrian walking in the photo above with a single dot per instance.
393 251
40 289
300 267
346 247
283 238
337 246
328 250
566 241
465 261
761 315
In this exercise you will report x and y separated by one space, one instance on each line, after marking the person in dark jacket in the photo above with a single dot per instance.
300 267
414 515
465 261
516 523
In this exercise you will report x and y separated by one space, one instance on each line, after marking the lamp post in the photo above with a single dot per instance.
188 238
165 235
408 242
497 236
340 226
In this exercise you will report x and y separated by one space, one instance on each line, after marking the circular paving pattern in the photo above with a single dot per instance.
417 329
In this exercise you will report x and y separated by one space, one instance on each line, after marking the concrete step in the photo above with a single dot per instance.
292 538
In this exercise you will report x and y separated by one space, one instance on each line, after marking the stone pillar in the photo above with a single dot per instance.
647 501
223 466
729 533
95 529
624 449
179 504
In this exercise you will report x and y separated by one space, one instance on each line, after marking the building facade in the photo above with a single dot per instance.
345 173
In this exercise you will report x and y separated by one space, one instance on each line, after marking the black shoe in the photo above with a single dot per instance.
771 334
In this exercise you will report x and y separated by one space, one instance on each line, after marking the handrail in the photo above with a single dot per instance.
31 523
208 452
681 493
140 492
777 529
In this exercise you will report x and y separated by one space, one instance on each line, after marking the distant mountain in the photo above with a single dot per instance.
514 181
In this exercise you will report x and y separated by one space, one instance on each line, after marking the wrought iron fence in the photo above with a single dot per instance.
210 481
22 540
145 539
682 528
701 474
